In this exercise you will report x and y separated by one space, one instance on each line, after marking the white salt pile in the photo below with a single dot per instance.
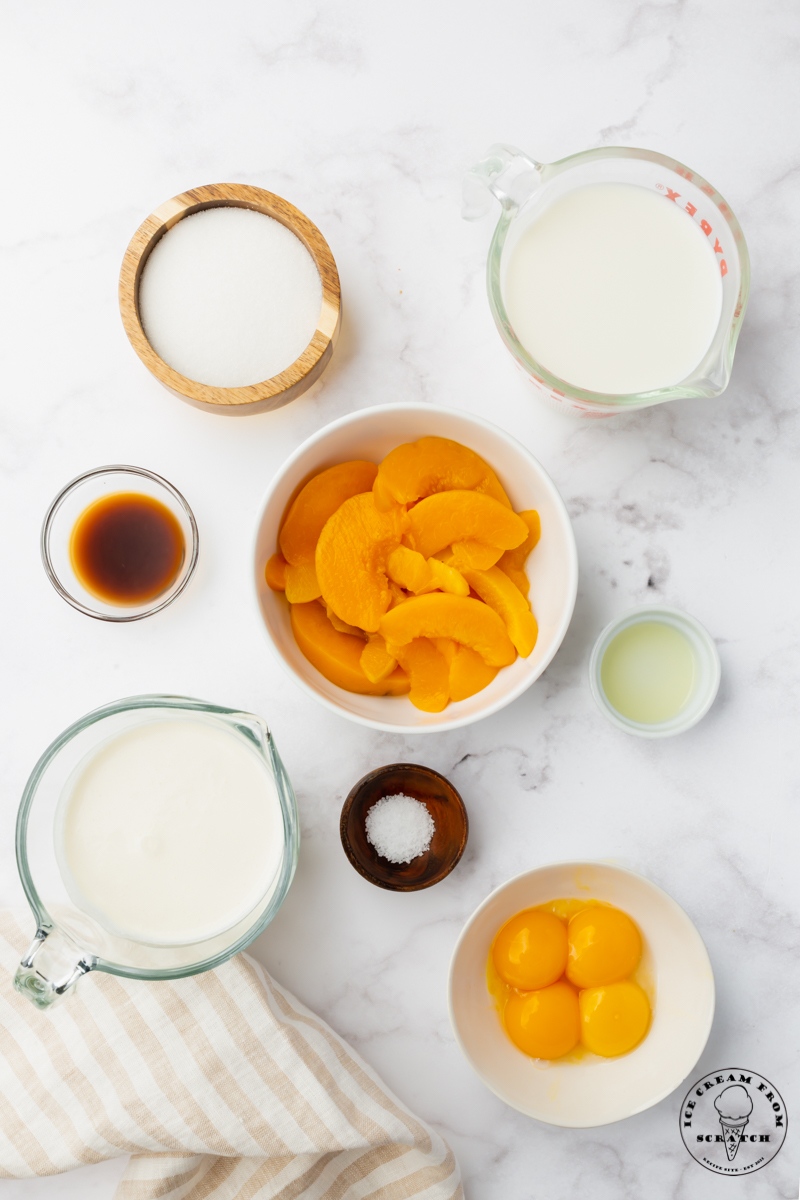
400 828
229 297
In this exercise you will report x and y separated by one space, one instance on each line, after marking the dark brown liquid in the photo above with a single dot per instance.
127 548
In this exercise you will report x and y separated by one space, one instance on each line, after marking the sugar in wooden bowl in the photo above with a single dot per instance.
230 296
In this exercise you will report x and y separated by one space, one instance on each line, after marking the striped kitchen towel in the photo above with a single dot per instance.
219 1086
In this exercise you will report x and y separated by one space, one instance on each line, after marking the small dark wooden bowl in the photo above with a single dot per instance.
443 803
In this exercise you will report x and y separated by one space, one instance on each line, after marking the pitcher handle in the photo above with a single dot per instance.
504 172
51 968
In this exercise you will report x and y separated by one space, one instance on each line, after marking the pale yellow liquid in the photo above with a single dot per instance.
648 672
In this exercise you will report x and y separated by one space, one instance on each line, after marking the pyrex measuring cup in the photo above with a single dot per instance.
525 188
68 941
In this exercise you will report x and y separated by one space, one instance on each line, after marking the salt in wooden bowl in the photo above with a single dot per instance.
445 807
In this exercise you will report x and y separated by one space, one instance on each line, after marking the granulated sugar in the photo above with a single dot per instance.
229 297
400 828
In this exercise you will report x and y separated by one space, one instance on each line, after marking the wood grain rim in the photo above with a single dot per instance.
258 397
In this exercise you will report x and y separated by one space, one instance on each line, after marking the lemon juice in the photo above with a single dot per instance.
648 672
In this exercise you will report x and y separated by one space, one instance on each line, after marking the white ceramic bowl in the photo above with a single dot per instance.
552 568
594 1091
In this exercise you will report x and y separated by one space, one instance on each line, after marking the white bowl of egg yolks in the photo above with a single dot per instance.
592 1090
552 568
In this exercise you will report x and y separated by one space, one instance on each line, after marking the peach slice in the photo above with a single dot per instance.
398 595
461 618
275 573
433 464
448 578
351 558
301 583
376 661
409 570
513 561
474 554
428 672
469 674
448 648
457 516
318 501
496 589
341 626
337 655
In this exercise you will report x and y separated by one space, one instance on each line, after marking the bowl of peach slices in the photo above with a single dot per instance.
415 568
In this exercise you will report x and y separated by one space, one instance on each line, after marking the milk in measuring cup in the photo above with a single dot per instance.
614 289
170 832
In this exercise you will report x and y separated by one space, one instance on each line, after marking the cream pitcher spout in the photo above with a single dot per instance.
505 173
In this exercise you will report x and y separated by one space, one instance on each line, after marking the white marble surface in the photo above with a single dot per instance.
364 115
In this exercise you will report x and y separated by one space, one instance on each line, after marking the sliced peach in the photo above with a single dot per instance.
318 501
275 573
448 578
457 516
496 589
469 674
341 626
433 464
376 661
473 554
429 675
448 648
398 683
409 570
398 595
337 655
513 561
438 614
301 583
468 554
351 558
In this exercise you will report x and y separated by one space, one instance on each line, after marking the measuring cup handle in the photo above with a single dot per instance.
504 172
51 968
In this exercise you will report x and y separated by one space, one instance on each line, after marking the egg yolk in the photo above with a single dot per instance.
614 1019
604 946
530 951
544 1023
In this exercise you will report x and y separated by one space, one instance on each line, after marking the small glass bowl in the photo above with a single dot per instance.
707 670
68 506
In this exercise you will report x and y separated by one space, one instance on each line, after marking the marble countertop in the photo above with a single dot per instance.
365 116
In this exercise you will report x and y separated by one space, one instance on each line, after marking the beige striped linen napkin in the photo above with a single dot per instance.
220 1087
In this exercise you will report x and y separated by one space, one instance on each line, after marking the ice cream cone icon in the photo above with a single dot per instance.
734 1107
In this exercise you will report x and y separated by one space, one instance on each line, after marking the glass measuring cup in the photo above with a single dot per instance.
68 942
525 188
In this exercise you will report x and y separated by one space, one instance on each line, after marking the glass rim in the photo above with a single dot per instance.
163 601
612 400
285 798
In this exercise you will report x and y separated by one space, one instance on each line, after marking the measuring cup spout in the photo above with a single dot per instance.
504 172
51 968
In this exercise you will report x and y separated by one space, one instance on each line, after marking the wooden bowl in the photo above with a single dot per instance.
443 803
258 397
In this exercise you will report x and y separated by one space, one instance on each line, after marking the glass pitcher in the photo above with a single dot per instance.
525 188
68 941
